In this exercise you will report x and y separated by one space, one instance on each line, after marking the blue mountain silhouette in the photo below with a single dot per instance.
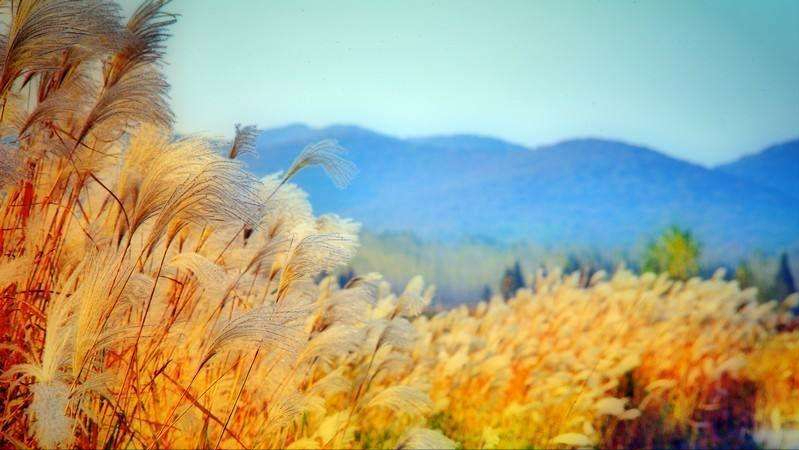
776 167
583 192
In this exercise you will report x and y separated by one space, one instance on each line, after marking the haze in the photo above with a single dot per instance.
703 81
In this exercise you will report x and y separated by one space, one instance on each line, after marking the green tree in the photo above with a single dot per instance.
675 252
512 281
486 295
572 264
784 283
744 275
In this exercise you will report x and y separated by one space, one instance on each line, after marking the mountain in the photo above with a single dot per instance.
776 167
583 192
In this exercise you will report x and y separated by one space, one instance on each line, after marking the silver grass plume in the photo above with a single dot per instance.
62 105
285 208
209 276
412 301
244 141
270 325
283 411
40 31
134 90
403 400
188 183
51 424
95 300
314 254
146 32
219 192
335 342
333 224
398 333
351 305
322 252
391 364
331 384
422 438
207 273
266 254
327 154
139 96
58 343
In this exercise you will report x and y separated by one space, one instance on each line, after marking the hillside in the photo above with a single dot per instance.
590 192
776 167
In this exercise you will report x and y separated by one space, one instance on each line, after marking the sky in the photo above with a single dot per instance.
705 81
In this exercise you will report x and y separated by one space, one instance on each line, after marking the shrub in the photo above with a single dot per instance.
675 252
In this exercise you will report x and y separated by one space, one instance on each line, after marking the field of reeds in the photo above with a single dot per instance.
154 294
625 362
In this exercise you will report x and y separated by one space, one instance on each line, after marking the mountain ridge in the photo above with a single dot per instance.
584 191
777 166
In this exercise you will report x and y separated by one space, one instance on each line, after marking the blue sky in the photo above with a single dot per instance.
705 81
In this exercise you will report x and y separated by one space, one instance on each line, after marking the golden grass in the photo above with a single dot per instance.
633 361
774 367
154 294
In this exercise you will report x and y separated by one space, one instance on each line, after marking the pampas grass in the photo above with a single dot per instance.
630 361
155 294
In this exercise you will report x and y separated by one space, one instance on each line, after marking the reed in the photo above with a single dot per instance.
627 362
155 294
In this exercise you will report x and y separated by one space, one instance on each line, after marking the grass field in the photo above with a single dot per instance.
154 294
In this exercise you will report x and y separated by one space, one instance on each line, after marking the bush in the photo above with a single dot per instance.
675 252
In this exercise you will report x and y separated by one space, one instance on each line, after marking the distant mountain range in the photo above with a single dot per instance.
583 192
776 167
